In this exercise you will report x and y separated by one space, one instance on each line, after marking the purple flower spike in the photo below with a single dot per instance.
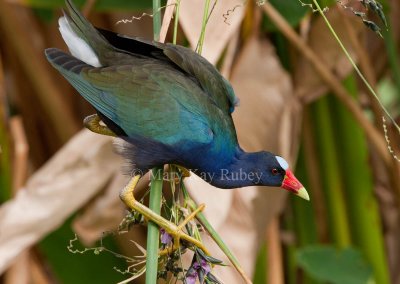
205 266
165 237
191 279
200 269
191 276
196 265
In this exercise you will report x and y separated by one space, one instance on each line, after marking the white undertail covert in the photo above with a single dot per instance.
77 46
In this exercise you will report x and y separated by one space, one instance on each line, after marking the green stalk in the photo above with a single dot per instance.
357 176
303 220
156 19
152 228
289 251
156 186
176 20
306 231
5 163
203 26
260 273
330 172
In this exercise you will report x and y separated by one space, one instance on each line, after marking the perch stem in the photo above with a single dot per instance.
203 26
152 228
153 233
176 20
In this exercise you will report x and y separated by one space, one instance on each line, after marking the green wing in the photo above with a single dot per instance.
213 83
148 98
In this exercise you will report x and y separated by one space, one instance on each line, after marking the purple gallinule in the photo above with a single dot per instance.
169 105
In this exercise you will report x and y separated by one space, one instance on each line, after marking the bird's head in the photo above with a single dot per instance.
278 173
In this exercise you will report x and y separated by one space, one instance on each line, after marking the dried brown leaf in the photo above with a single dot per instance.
64 184
103 214
218 30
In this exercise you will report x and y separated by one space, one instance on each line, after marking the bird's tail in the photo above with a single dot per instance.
82 39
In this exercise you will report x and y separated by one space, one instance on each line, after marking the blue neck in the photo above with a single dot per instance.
241 171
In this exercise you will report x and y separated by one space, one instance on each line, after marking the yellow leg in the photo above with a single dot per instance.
175 231
191 216
185 172
92 122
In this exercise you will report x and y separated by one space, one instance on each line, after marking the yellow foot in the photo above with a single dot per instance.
92 122
185 172
178 234
175 231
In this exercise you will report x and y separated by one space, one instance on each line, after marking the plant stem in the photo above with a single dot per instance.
176 21
156 19
5 161
363 212
156 185
330 171
5 155
152 228
303 225
203 26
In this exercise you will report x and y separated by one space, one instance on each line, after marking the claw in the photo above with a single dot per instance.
175 231
185 172
92 122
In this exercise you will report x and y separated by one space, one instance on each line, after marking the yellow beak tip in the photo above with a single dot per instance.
303 194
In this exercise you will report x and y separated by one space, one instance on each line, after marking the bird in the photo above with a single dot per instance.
167 103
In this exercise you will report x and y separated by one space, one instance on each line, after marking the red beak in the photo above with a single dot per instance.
291 183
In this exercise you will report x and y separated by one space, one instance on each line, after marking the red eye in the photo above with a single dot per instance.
274 172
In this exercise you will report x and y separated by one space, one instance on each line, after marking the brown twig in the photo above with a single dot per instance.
275 268
38 271
19 271
168 14
341 93
21 150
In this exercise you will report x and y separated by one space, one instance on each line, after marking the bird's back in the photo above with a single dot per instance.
152 91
